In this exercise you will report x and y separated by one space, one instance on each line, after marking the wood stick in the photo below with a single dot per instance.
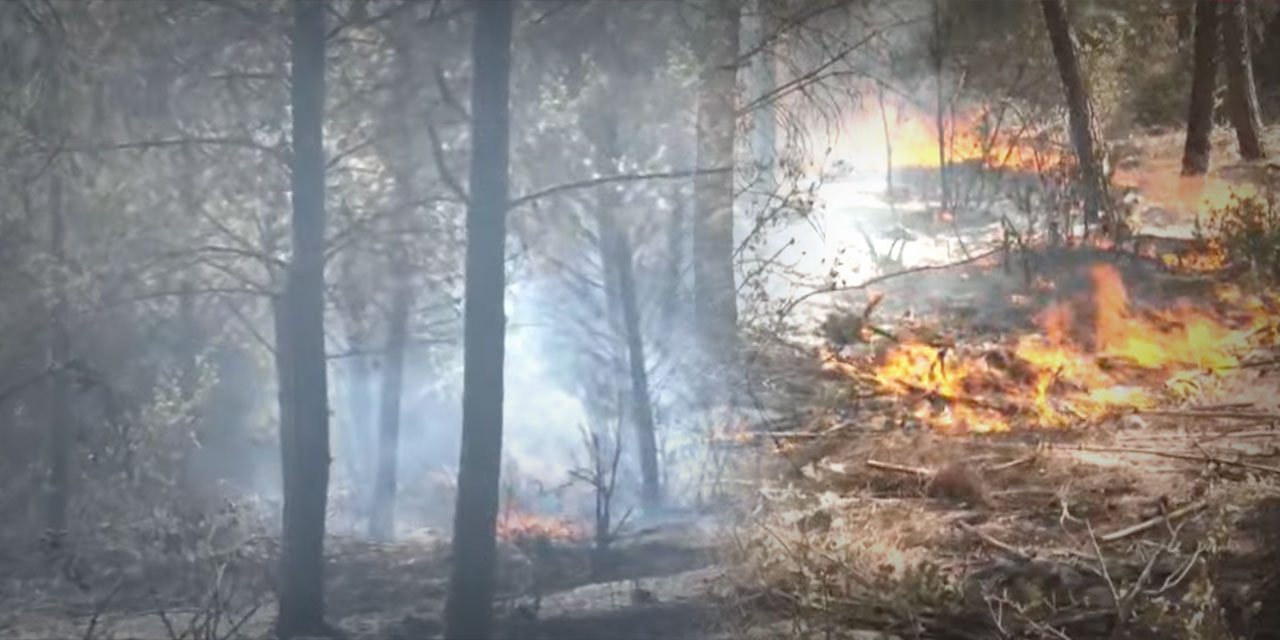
1180 456
898 468
986 537
1191 413
1154 522
1015 462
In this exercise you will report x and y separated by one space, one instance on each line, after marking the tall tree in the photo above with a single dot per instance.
937 54
1090 154
58 415
304 398
764 130
382 515
1242 95
1204 81
469 608
641 400
715 300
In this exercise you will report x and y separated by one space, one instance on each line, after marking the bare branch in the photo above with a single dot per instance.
603 180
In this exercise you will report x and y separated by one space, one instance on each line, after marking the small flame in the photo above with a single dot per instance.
515 524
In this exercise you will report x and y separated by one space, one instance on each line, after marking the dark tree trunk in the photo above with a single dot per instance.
937 53
1242 101
764 143
715 300
1204 81
382 513
469 609
305 434
60 427
1090 153
641 404
676 238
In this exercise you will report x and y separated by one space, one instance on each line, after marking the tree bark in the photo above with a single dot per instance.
764 143
60 426
1242 95
937 53
1204 80
1090 152
469 608
59 414
641 405
674 273
382 513
305 435
715 299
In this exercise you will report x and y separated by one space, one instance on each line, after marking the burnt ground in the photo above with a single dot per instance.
652 584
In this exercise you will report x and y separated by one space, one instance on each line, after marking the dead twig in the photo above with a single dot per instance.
1204 457
1155 522
989 539
1030 457
1193 413
888 276
1106 575
898 468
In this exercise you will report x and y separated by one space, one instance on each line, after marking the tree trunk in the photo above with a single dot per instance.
764 143
1090 152
382 513
641 404
715 300
1204 80
305 435
469 609
1242 94
674 275
937 53
60 426
59 413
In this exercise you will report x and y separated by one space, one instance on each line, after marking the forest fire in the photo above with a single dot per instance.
972 136
515 524
1072 371
1163 187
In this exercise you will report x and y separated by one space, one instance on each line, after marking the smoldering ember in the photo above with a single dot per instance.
643 319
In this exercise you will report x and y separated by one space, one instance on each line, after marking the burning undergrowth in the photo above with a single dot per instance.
951 493
1090 357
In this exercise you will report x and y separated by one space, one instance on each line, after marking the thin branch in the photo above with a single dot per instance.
603 180
278 153
446 175
888 276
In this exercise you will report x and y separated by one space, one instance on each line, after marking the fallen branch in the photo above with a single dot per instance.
888 276
898 468
1015 462
1181 456
1191 413
1155 521
987 538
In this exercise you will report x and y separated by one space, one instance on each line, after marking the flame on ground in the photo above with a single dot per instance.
1166 188
514 525
1075 371
968 137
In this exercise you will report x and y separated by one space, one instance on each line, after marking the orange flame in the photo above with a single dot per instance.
1165 188
515 524
1046 379
913 138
